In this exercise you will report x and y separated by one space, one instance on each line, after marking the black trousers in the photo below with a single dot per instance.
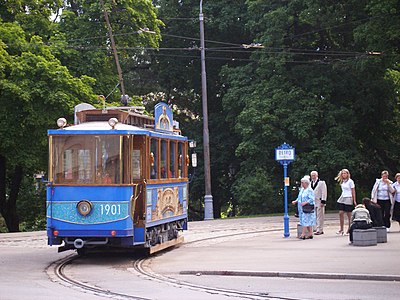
358 225
385 206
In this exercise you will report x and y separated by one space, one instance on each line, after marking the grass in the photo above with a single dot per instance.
3 227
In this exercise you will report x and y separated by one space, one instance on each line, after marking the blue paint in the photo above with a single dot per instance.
102 212
91 193
139 236
169 136
163 119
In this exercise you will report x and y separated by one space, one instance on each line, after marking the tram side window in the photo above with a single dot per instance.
84 166
68 154
136 168
163 159
154 162
180 160
107 149
172 154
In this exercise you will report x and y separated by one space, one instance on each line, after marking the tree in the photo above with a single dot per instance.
83 43
178 79
316 86
47 67
35 90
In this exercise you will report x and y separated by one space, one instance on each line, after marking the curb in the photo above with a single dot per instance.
374 277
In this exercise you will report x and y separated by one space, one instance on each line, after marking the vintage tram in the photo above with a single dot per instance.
117 178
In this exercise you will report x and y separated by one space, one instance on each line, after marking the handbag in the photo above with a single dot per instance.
308 208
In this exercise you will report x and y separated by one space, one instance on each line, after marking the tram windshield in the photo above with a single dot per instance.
88 159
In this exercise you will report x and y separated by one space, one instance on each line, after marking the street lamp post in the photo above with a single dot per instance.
208 199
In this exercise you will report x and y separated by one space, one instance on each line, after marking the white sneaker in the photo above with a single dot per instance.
387 229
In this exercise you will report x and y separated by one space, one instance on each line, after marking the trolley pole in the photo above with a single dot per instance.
208 199
114 48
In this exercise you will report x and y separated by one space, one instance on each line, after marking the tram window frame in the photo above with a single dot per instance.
136 158
172 159
186 159
180 160
86 147
175 155
154 165
164 159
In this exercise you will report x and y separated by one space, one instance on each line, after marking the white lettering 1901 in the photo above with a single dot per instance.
113 209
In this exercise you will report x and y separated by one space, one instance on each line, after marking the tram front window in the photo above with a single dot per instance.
86 159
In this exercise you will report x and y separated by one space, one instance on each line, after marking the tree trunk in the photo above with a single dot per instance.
11 215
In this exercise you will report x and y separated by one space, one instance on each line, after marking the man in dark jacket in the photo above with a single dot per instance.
375 212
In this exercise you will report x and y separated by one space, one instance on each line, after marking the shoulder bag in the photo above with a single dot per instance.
308 208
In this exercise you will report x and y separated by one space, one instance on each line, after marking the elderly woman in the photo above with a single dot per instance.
307 219
382 193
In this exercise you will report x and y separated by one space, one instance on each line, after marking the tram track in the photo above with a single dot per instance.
57 273
139 267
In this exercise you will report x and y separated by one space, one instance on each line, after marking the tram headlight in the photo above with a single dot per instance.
112 122
84 207
61 122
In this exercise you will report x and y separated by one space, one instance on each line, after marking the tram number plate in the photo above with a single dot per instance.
113 209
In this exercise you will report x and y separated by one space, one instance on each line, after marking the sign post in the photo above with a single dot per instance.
285 154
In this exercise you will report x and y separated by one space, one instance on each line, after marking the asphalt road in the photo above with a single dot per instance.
256 245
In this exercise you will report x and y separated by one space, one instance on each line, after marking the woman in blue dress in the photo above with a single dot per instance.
306 196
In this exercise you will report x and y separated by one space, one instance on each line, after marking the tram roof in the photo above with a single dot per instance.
103 128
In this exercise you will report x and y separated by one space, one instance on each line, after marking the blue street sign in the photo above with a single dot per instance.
285 154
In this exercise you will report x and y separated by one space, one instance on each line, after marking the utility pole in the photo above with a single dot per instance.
114 48
208 199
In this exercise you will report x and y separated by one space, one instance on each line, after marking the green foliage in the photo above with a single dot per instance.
31 206
314 88
47 67
35 90
255 193
178 81
327 82
82 42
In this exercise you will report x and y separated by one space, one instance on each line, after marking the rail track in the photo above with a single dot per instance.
57 273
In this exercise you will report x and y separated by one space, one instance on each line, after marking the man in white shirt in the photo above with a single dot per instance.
320 192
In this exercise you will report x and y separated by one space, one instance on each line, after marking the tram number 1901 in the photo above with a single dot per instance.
113 209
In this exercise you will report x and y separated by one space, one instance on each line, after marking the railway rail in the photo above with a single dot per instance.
57 273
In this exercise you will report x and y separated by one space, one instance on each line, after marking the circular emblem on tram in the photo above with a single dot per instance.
84 207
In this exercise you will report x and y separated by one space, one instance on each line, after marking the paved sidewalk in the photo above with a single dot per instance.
268 254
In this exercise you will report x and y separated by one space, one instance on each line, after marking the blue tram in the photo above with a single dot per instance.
117 178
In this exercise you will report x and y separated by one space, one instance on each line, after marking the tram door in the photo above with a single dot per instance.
137 177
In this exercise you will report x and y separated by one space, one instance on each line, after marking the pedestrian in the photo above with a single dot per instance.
306 219
296 214
320 192
382 193
360 219
375 212
396 209
346 200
